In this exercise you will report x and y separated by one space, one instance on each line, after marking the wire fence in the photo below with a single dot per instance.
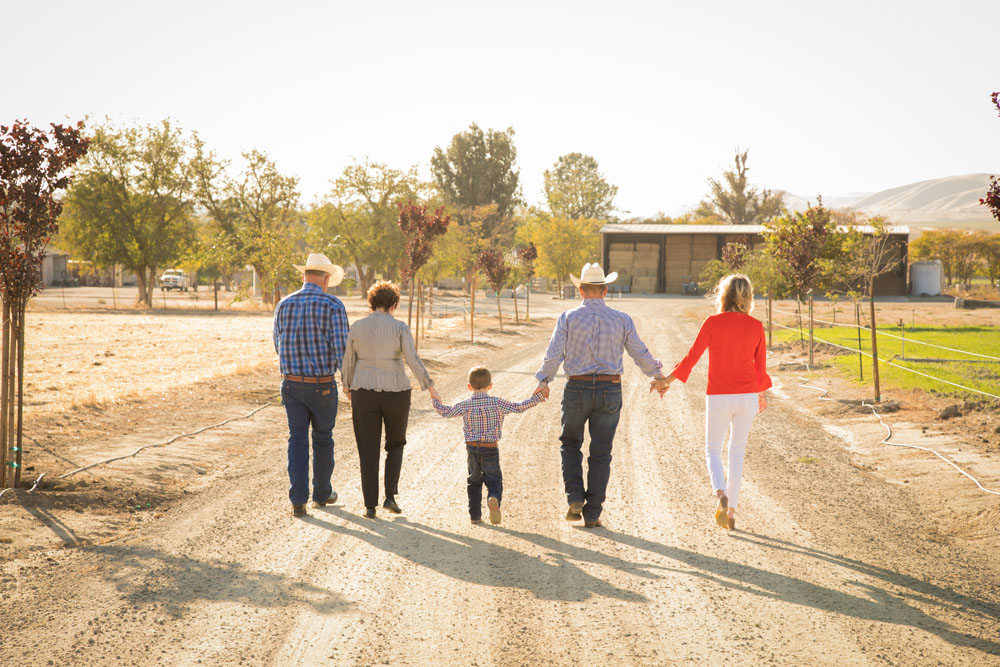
889 335
888 362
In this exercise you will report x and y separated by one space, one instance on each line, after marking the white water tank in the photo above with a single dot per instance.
926 278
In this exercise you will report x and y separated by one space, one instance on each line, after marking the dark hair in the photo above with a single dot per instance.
479 377
593 290
315 274
383 295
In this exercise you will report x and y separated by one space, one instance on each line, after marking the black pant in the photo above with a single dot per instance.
369 409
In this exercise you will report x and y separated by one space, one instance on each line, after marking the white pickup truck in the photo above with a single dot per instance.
174 279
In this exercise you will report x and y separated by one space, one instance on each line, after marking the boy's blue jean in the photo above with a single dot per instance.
597 405
484 467
305 405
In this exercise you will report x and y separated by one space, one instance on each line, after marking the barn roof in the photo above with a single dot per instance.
718 229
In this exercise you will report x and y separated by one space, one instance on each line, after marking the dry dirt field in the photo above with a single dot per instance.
848 551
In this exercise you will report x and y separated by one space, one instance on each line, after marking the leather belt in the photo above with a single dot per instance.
308 380
480 444
597 378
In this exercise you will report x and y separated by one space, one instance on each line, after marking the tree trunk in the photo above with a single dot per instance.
20 396
145 284
416 338
798 312
499 312
811 331
770 344
472 311
517 319
857 321
5 352
527 301
871 303
409 309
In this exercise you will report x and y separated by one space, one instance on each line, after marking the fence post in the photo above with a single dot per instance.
4 385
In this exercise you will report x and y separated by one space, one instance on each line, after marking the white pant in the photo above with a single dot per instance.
723 411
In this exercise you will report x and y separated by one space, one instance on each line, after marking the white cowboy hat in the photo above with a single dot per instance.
593 274
318 262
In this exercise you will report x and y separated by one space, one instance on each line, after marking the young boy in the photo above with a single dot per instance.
482 416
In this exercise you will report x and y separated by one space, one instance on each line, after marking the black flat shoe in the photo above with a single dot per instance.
391 506
370 513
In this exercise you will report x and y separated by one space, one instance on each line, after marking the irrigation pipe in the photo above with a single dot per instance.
889 363
883 333
3 491
163 444
888 435
37 482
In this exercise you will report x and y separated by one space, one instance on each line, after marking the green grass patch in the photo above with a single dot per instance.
963 369
806 459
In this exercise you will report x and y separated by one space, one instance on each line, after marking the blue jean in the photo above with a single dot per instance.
305 405
597 405
484 467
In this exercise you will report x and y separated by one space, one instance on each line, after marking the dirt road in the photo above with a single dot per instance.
833 563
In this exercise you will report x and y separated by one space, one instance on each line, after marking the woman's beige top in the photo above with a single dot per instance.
373 359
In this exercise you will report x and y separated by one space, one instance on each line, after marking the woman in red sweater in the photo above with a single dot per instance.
737 380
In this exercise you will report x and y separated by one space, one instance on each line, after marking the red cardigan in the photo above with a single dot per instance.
737 355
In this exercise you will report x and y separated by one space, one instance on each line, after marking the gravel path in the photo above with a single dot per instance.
831 564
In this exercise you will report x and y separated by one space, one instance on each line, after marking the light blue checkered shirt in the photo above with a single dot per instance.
591 339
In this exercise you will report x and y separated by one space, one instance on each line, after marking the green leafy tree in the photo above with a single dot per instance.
957 250
130 203
990 251
805 243
576 188
256 213
357 220
738 202
564 244
865 257
479 170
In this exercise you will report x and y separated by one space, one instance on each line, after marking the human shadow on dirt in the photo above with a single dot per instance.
145 576
877 605
467 558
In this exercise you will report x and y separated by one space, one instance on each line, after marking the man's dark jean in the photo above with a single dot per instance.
597 405
309 405
484 467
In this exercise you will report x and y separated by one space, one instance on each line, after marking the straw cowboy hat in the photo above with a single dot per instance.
593 274
318 262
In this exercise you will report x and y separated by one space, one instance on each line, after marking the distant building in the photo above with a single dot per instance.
55 267
667 259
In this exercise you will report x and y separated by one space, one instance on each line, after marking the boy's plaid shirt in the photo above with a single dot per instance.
482 414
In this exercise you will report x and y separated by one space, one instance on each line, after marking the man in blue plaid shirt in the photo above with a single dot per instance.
482 417
310 332
589 342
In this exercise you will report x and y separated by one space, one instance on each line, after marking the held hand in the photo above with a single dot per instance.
659 385
347 393
434 393
761 403
542 389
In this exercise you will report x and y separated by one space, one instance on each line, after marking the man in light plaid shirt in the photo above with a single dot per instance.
482 417
589 342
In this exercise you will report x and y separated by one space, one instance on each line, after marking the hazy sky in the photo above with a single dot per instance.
830 97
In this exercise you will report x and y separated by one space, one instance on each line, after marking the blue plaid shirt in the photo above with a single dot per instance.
310 332
482 414
590 340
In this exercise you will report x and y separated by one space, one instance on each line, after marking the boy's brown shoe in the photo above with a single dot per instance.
494 506
575 512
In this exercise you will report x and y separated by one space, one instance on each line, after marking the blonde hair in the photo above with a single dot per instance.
734 293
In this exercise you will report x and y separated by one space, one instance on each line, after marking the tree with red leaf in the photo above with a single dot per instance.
492 263
525 257
992 198
420 231
33 166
